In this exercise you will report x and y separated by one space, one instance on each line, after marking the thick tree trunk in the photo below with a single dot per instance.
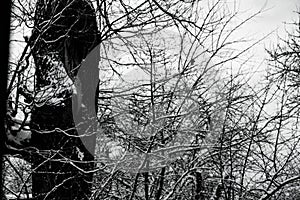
60 161
54 176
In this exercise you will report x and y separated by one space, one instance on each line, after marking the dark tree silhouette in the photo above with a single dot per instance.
3 76
65 32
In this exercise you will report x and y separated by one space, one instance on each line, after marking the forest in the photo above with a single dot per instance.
149 100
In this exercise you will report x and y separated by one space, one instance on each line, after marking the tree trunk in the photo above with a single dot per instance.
54 176
60 160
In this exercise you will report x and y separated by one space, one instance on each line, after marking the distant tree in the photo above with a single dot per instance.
283 176
284 65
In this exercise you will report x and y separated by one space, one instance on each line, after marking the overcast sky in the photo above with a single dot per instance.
272 19
276 13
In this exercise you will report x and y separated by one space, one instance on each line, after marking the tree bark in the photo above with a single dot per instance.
64 34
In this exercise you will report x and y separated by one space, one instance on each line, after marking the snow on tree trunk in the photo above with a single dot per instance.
64 33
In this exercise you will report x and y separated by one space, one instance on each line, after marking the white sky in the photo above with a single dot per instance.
276 13
272 20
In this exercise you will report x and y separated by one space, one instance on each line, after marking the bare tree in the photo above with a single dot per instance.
175 121
283 177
